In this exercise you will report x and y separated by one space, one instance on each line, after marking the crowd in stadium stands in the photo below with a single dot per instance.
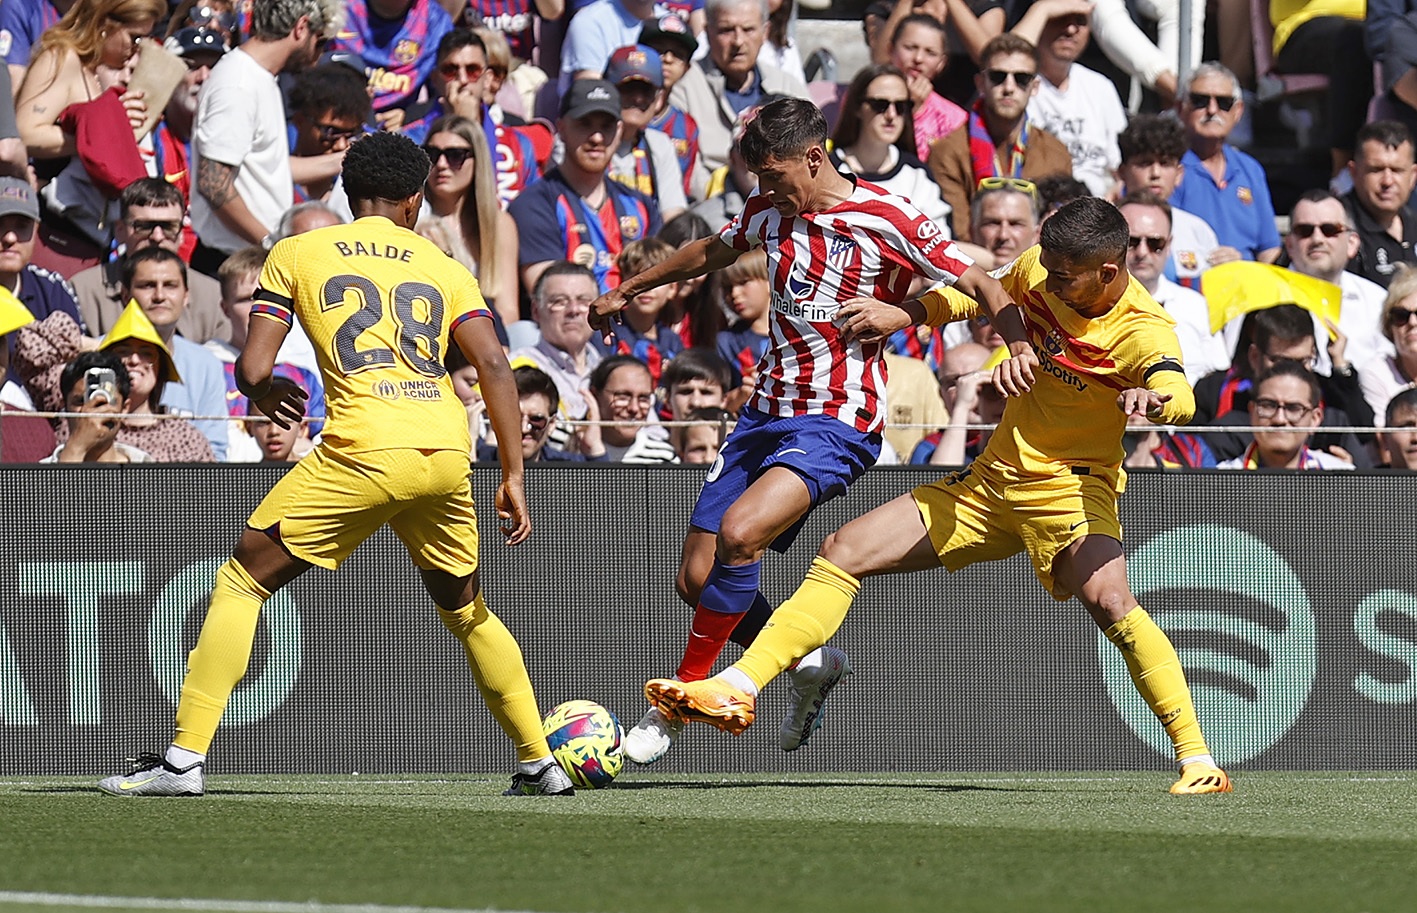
574 144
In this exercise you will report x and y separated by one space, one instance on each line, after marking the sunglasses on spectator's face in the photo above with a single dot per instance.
1152 242
333 133
145 227
1400 317
902 106
997 77
457 157
536 421
1305 229
470 72
1201 101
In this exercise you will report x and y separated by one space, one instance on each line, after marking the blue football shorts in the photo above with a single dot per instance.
825 452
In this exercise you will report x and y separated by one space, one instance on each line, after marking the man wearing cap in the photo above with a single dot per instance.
731 79
575 213
595 31
240 148
674 42
645 159
150 215
200 49
40 291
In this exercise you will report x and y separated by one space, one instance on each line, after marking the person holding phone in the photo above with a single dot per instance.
96 385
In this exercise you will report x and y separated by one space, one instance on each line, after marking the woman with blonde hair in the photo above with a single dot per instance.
1396 372
93 35
461 213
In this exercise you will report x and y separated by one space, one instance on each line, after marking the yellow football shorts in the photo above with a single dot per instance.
330 502
973 517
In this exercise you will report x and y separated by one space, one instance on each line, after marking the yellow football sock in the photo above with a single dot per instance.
1156 671
500 674
220 657
802 623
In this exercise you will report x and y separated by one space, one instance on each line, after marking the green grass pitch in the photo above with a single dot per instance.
873 843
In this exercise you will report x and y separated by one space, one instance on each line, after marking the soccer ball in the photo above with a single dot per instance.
585 740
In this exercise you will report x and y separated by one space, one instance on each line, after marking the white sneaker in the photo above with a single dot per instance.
550 780
652 737
808 692
150 775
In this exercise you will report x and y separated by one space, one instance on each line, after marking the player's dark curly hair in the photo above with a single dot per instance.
1087 232
384 166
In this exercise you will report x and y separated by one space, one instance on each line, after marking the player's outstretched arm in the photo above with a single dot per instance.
478 342
1165 400
696 259
279 399
1014 376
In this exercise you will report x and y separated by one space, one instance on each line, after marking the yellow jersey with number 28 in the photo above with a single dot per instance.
379 304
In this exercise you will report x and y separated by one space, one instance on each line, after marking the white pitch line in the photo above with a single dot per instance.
201 905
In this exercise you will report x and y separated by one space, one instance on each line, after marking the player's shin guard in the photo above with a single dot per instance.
1156 671
728 594
221 656
500 673
802 623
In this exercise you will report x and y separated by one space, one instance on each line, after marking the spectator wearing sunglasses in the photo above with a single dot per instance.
875 140
1221 184
1384 378
461 214
1149 242
999 139
1383 177
328 108
459 86
151 214
1077 105
1320 243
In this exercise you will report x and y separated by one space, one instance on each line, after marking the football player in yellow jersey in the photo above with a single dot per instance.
1047 483
381 306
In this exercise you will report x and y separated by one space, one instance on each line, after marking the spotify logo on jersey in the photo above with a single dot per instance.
1242 624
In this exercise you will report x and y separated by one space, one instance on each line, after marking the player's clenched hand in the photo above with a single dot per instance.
1014 375
511 509
604 309
868 320
284 403
1141 401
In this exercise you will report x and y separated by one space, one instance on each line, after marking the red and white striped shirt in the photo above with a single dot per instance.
871 244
